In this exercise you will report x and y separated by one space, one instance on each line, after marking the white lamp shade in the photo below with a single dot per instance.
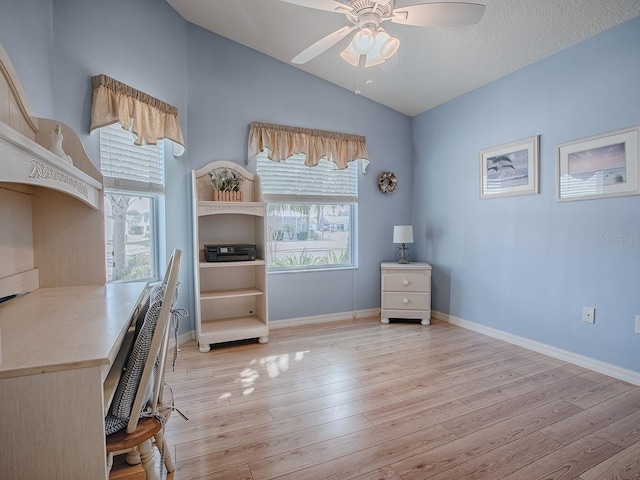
403 234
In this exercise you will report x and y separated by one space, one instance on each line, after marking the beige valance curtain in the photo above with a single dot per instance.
147 117
283 142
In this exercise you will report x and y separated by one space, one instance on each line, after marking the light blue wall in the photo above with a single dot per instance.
527 265
230 86
219 87
142 43
26 33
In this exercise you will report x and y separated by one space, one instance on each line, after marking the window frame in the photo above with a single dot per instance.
314 199
152 189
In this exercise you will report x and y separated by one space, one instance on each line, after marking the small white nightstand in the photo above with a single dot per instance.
406 291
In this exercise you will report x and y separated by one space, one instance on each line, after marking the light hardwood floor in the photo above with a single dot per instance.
361 400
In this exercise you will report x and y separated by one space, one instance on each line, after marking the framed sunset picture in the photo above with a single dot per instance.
600 166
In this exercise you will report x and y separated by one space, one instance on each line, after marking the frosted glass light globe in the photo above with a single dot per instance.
387 44
363 41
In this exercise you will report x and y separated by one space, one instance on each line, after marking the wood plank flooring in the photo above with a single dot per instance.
357 399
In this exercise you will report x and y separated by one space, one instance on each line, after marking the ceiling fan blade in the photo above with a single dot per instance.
326 5
441 14
322 45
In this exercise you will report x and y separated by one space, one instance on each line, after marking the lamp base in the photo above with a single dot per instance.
404 254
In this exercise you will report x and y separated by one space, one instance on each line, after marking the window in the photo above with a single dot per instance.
133 180
311 213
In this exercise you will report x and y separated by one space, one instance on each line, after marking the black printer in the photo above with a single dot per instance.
230 253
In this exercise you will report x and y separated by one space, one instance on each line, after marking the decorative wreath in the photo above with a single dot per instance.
387 182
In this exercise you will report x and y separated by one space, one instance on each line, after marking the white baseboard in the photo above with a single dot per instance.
586 362
565 355
182 338
293 322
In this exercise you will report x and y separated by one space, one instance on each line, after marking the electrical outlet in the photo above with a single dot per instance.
588 314
637 323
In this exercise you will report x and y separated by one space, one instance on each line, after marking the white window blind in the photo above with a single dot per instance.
126 166
292 180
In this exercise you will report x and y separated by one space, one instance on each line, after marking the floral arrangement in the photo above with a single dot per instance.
226 184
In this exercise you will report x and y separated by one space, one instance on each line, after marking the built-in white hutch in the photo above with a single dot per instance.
63 331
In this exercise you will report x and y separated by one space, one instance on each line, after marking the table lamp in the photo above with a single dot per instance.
403 234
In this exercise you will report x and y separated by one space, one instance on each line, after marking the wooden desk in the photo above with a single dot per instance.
57 348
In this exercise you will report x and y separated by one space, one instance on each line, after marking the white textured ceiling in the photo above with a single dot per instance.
433 65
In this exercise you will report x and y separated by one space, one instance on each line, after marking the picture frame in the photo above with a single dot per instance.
511 169
600 166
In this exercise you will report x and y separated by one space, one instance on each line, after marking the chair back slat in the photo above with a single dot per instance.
159 344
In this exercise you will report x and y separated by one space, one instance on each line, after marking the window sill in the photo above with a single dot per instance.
311 270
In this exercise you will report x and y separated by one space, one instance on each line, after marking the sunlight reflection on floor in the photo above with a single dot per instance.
274 365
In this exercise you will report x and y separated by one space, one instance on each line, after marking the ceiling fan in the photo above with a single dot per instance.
371 40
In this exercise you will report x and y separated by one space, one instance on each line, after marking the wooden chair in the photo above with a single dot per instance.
142 429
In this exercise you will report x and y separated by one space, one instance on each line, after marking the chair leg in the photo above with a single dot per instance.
161 443
168 459
133 457
148 463
109 462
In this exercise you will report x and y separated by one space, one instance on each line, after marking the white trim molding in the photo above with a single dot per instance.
182 338
574 358
565 355
294 322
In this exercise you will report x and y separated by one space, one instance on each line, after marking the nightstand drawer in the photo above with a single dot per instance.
406 301
406 282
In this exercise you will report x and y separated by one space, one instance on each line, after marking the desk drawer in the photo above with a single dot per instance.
406 282
406 301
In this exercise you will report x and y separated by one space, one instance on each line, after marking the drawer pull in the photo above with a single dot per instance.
405 283
405 301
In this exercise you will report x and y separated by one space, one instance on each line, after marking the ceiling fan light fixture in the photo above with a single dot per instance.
390 48
373 61
363 41
349 55
386 44
385 47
